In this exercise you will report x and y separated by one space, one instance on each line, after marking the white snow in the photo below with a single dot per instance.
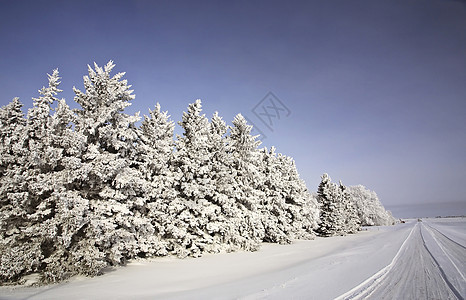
378 262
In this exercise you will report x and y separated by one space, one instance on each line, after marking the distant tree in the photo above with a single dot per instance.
352 222
369 208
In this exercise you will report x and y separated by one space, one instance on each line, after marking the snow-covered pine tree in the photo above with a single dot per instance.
12 123
248 185
352 222
223 229
156 139
195 205
12 154
332 220
29 208
155 158
12 193
231 229
71 211
273 207
369 208
302 209
110 176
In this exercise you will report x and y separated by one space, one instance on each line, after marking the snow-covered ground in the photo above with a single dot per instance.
416 260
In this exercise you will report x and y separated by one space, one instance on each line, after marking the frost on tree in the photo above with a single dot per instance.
302 209
110 177
370 210
12 217
12 124
248 181
332 219
155 156
226 229
198 214
338 210
350 211
288 212
32 225
26 190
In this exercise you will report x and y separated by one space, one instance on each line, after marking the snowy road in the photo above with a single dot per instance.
417 260
429 265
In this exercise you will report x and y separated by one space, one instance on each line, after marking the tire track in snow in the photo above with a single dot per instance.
414 273
371 283
445 236
451 258
442 270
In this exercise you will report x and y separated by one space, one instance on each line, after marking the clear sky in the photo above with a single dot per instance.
371 92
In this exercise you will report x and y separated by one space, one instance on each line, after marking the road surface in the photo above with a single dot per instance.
429 265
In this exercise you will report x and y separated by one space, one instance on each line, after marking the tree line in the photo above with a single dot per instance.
84 189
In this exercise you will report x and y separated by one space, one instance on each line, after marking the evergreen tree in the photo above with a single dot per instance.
195 206
332 221
12 195
12 123
29 206
233 227
155 159
276 207
369 208
248 184
110 178
352 222
302 209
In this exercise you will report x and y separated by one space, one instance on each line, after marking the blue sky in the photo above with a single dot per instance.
376 90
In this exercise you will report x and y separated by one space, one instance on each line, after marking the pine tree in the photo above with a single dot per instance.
248 184
232 228
332 220
302 209
155 159
29 207
12 123
110 177
12 128
12 195
369 208
223 228
273 207
352 222
195 206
